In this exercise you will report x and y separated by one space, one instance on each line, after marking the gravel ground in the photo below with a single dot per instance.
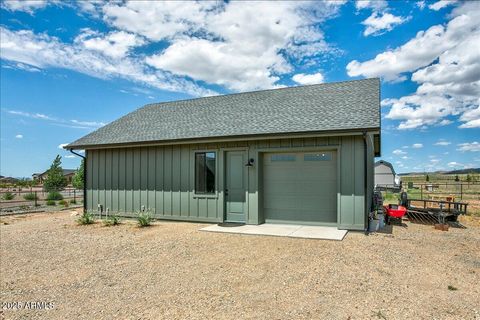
173 271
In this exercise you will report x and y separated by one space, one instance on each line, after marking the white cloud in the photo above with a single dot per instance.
379 23
442 142
70 156
434 160
423 49
417 145
114 44
303 78
471 117
93 124
204 43
420 4
371 4
446 65
239 45
419 110
43 51
57 121
30 115
28 6
19 136
441 4
469 146
405 157
398 152
60 146
455 164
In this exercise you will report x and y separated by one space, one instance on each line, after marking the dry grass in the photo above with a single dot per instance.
173 271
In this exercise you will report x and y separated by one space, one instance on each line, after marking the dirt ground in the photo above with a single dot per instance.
172 271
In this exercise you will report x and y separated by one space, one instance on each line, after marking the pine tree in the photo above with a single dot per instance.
55 180
77 180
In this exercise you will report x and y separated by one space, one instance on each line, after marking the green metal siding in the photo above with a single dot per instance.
352 190
161 178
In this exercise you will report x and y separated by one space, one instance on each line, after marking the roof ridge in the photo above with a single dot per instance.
324 84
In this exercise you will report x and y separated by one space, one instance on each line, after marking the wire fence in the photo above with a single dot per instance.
22 199
454 191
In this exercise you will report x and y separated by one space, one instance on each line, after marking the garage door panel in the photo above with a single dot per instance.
300 190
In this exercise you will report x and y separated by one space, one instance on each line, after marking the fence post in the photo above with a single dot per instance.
74 200
421 191
36 199
461 191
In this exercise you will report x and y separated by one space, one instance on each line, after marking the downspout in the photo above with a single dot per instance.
84 179
367 213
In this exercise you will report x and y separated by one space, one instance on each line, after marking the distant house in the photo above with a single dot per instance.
67 173
7 180
385 176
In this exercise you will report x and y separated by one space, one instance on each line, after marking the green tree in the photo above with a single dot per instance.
427 178
55 180
457 178
77 180
469 178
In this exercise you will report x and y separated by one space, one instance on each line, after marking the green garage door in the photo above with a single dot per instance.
300 187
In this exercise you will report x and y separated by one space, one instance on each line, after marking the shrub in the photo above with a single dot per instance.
63 203
51 202
54 195
111 220
77 180
73 201
144 219
8 196
86 218
30 196
24 207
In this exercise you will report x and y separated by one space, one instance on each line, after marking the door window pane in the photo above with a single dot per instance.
321 156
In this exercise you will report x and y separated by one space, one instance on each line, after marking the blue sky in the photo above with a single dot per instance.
68 68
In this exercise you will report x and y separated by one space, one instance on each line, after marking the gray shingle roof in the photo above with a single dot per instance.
336 106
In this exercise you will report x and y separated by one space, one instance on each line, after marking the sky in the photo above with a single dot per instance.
68 68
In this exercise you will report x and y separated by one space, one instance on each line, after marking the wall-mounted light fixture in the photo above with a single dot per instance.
250 162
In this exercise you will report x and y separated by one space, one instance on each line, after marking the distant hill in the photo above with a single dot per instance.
462 171
465 171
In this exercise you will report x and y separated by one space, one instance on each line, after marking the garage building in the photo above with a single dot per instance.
302 155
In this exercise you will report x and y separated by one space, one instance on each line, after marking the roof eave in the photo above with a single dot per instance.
340 132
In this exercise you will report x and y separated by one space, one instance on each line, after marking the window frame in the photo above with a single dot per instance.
201 193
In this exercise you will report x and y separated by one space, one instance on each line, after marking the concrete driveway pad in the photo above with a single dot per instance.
283 230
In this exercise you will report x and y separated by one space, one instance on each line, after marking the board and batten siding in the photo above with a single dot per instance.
161 178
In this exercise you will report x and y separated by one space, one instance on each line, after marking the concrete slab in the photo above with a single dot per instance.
283 230
319 232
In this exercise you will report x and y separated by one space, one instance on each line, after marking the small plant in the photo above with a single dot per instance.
24 207
51 202
380 315
73 201
144 219
63 203
111 220
452 288
30 196
8 196
54 195
86 218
